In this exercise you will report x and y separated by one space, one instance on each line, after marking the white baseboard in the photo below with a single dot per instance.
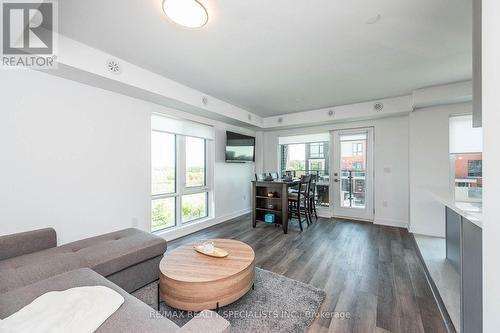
391 222
418 231
197 226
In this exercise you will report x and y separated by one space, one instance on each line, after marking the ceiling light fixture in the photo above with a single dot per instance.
188 13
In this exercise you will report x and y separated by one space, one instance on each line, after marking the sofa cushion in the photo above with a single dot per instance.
23 270
106 254
132 316
110 253
27 242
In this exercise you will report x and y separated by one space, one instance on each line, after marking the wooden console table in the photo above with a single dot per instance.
279 202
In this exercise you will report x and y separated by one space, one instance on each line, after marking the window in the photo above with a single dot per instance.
163 162
195 162
475 168
296 158
163 148
180 182
357 149
307 154
162 213
316 150
466 159
304 158
317 165
194 206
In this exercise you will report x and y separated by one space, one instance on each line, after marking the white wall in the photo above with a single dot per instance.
391 163
491 157
430 166
77 158
463 137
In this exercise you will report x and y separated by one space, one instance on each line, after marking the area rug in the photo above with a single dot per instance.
277 304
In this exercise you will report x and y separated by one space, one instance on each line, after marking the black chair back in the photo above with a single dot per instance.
274 175
312 189
305 185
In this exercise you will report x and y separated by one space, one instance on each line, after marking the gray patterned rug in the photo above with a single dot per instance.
278 304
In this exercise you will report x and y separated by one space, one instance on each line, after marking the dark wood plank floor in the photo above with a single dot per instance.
370 271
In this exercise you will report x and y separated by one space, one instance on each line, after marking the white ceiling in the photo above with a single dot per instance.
280 56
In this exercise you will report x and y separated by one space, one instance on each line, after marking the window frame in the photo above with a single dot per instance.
323 150
181 188
357 149
320 154
185 164
163 195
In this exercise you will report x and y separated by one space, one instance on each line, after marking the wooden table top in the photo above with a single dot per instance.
278 182
187 265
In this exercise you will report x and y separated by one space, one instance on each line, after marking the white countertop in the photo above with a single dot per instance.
472 211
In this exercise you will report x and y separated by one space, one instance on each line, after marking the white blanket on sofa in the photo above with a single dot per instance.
76 310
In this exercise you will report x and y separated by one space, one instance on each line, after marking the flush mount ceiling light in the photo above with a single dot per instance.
188 13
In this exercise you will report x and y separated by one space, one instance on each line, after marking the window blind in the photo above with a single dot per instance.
182 127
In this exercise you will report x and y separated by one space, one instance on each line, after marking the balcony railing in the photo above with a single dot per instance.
299 173
352 190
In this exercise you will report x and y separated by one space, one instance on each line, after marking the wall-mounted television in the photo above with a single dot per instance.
239 148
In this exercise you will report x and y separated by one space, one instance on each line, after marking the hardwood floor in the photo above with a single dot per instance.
370 271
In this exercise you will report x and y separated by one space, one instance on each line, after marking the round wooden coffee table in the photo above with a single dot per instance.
193 281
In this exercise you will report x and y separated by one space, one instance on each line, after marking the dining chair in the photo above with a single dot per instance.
298 203
312 197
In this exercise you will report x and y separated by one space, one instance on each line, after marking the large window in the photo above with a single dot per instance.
180 186
163 151
308 154
305 158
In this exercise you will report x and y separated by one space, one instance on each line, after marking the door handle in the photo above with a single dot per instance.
336 180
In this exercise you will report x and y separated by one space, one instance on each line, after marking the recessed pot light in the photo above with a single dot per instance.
188 13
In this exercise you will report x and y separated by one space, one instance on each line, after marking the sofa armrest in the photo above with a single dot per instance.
27 242
207 322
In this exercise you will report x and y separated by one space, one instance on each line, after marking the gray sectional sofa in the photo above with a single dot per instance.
32 264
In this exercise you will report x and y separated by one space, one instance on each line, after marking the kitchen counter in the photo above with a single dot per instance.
472 211
464 253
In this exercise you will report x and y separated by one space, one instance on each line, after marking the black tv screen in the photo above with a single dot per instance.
239 148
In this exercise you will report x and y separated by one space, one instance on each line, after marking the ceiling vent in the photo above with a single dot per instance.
280 120
331 113
204 100
249 117
378 106
114 66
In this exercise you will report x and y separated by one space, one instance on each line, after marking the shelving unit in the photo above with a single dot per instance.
261 202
